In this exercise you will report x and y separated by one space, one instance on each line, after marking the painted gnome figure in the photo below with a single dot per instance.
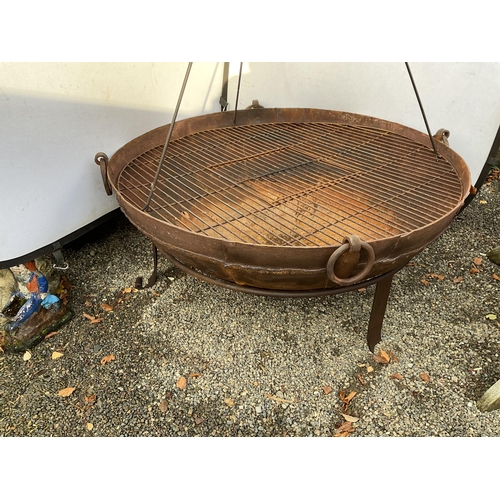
32 294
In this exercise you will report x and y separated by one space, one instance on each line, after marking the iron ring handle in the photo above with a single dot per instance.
102 160
351 242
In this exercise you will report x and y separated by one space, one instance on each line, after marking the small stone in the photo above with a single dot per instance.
258 409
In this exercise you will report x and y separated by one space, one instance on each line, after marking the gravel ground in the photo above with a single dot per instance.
185 358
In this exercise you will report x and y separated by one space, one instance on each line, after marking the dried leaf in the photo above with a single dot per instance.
66 392
107 359
90 400
347 399
483 202
458 279
492 317
369 369
434 275
392 356
327 389
229 402
346 427
280 400
27 356
88 303
92 319
477 260
344 430
57 354
361 380
181 383
425 377
382 357
90 426
198 420
396 376
127 290
425 282
194 375
163 405
50 335
350 418
495 277
474 270
106 307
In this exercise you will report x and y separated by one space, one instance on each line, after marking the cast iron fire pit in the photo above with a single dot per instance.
289 202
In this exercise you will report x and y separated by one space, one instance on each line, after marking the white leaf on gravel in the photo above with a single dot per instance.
350 418
27 356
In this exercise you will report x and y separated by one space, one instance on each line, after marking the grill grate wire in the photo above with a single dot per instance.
299 184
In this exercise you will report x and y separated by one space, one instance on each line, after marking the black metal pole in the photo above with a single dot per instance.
237 94
153 185
422 110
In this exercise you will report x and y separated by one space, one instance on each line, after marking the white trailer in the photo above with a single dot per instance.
54 118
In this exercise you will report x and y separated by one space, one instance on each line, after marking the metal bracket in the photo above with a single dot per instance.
255 105
223 104
60 263
225 80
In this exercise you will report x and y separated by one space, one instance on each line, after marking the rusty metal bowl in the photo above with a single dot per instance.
289 199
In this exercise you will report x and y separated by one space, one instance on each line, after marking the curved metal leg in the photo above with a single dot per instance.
379 305
152 279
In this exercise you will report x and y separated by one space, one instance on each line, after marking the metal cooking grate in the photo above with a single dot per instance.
299 184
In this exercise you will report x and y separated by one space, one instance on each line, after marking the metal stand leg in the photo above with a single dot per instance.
378 311
152 279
